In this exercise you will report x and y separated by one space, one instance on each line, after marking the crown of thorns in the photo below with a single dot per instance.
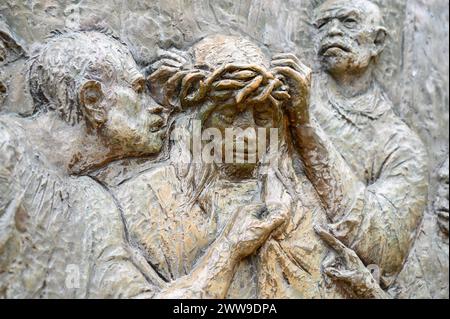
233 84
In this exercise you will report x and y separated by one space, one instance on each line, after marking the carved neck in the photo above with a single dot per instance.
69 147
351 84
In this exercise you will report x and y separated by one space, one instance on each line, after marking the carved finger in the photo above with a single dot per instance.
172 85
158 109
280 91
166 62
298 84
330 261
281 95
343 229
187 85
277 103
163 72
264 94
330 240
241 75
171 55
340 275
230 68
287 62
249 89
283 56
289 73
302 68
277 216
228 85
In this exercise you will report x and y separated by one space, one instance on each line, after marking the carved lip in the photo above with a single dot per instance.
2 88
336 45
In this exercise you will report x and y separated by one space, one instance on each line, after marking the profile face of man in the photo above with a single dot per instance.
350 35
120 110
130 124
107 97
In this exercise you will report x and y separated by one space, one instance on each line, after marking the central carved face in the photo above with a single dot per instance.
246 121
348 35
239 101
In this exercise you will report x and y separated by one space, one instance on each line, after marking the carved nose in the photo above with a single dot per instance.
155 109
2 88
335 28
245 120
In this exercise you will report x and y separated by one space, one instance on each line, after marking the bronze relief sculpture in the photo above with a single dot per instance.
221 168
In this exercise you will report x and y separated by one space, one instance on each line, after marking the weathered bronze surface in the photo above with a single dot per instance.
119 177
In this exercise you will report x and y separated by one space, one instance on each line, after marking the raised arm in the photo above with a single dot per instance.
376 220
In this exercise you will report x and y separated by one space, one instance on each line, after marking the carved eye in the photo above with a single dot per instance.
350 23
139 85
320 24
228 119
2 52
263 118
226 115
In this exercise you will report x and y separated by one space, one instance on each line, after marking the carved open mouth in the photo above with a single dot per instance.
2 88
328 47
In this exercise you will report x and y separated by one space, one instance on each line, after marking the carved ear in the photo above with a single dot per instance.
380 40
91 96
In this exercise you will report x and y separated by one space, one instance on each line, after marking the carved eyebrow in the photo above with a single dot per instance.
339 14
321 21
348 13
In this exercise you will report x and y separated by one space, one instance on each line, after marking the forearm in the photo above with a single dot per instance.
210 279
368 288
334 181
372 290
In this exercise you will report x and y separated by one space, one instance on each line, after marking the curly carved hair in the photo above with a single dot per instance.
68 59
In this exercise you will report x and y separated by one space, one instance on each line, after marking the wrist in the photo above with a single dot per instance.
224 252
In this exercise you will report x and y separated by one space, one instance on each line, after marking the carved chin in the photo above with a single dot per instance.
147 146
128 143
335 62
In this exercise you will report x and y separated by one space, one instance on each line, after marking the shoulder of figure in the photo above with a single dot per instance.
399 133
160 179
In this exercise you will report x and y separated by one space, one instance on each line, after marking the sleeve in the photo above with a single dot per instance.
8 159
378 220
10 197
117 269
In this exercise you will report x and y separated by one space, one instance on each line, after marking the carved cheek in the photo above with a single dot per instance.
123 100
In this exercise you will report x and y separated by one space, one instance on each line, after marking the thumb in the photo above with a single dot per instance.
278 216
